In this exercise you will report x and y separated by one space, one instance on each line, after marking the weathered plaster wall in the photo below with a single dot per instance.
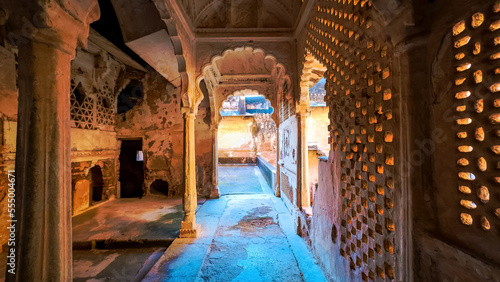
317 140
317 128
204 152
242 138
288 162
266 138
448 244
94 82
8 124
324 234
366 205
236 140
158 120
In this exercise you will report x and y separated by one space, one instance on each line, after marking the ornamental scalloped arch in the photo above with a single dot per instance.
165 14
280 81
312 71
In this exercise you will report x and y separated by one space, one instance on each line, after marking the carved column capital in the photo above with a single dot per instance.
302 110
61 24
189 112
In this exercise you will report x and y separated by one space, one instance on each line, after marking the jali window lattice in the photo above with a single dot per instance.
92 111
360 97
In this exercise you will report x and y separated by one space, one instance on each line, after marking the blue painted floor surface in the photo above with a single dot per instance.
239 179
247 235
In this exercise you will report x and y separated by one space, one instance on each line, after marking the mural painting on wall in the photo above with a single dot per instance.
288 144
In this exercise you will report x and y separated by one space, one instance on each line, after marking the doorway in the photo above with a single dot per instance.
96 184
131 169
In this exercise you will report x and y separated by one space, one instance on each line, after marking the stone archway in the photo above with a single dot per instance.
246 130
238 69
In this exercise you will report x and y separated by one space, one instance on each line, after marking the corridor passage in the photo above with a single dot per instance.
247 235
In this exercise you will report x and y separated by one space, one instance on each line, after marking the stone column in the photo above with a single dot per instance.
215 161
47 36
43 165
189 227
303 195
278 166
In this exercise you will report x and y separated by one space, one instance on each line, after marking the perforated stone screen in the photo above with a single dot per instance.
92 110
360 97
474 193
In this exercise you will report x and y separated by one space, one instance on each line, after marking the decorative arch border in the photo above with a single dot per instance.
175 39
212 76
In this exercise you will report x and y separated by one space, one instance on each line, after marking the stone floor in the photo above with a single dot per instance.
247 235
149 218
122 239
239 179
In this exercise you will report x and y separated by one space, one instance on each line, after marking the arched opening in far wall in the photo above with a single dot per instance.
96 184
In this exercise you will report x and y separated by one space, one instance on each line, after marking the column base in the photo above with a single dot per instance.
215 194
189 230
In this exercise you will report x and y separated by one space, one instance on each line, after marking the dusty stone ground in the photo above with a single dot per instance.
113 265
249 245
149 218
122 226
245 181
246 235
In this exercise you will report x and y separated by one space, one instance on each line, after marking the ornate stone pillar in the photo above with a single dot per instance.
215 160
277 190
43 165
303 195
189 227
46 37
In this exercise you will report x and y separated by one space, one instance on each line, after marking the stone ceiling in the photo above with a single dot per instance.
241 14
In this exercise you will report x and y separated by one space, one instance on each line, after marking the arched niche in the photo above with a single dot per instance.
81 192
96 184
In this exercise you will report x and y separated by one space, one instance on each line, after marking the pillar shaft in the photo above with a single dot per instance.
43 173
304 198
215 162
189 227
277 187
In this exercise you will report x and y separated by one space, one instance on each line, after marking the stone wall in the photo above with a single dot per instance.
288 162
452 105
409 190
94 83
266 138
317 128
94 74
242 138
204 147
361 205
317 140
157 120
237 140
8 124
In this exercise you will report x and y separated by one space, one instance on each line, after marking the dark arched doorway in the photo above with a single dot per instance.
131 169
159 187
96 184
